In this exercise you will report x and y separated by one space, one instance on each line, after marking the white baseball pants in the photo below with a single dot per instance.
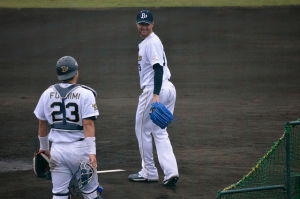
64 162
145 129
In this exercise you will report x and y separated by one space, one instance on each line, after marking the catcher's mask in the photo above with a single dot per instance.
81 178
40 166
87 173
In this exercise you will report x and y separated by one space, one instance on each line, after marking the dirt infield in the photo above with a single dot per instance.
236 71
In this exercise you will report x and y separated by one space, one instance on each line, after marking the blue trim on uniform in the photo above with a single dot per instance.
91 191
89 88
91 118
61 194
66 126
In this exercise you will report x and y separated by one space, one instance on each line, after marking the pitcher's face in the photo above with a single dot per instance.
144 29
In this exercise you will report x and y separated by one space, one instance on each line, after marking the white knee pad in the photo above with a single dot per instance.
97 194
93 195
60 197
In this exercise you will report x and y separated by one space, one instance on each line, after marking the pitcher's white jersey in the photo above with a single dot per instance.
80 103
151 51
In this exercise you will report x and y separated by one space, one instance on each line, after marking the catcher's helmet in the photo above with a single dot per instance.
144 17
66 68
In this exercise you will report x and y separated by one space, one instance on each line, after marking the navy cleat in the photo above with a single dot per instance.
171 181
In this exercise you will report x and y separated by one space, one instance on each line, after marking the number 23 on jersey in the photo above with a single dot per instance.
71 112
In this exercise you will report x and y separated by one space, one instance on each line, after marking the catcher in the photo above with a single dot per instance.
159 91
70 109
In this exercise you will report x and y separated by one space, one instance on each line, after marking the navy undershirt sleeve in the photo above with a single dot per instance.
158 76
90 118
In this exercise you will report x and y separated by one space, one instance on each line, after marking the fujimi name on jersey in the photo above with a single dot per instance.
69 96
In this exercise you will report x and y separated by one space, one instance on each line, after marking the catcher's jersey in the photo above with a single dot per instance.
151 51
80 103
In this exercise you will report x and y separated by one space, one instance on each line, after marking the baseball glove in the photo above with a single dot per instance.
160 115
40 166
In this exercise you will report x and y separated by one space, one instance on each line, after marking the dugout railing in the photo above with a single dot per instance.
276 175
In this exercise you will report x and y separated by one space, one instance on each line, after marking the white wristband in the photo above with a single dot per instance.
90 141
44 143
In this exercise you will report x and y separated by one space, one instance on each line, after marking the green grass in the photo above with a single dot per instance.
141 3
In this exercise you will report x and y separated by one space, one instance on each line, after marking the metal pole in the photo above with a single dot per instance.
252 189
288 161
297 187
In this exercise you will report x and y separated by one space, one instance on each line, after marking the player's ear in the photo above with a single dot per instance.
76 76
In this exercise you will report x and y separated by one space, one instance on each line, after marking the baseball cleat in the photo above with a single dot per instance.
100 196
171 181
136 177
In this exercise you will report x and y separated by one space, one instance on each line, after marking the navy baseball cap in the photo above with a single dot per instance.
144 16
66 68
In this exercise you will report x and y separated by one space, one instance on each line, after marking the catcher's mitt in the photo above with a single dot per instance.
40 166
160 115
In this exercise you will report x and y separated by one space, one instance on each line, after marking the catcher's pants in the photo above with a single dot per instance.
64 162
144 128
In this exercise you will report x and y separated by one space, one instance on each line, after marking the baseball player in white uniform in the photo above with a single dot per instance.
70 109
154 81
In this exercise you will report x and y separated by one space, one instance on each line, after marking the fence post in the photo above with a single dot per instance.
288 161
219 195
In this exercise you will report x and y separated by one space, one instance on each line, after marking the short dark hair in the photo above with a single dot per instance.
68 80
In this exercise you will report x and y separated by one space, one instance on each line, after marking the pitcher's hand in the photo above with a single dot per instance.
155 98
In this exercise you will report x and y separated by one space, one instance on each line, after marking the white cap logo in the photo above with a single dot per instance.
144 16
